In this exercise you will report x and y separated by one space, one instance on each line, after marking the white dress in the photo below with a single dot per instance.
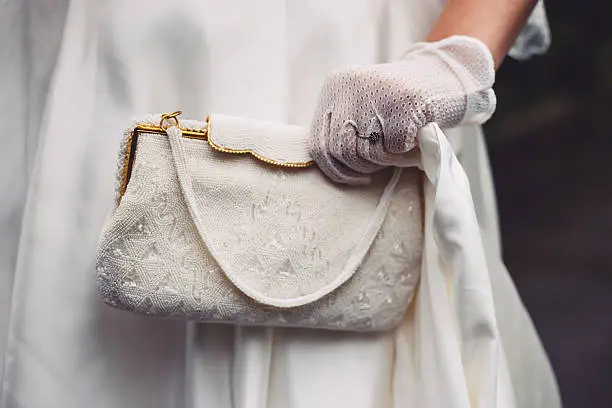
73 73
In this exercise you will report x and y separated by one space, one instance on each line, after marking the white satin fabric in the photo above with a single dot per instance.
74 73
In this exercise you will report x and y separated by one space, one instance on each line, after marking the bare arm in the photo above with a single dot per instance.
496 23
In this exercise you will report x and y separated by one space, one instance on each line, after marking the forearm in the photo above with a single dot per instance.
496 23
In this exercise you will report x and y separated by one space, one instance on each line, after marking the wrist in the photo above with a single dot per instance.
496 23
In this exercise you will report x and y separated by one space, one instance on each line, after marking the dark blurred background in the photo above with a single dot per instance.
551 152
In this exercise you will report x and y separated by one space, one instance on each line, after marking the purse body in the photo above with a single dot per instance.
202 234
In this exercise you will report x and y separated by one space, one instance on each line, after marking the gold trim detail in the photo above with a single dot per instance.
171 119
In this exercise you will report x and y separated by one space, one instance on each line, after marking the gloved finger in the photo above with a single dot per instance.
319 149
404 116
399 135
373 149
370 145
343 147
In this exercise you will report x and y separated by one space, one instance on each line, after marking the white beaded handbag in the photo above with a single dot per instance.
227 221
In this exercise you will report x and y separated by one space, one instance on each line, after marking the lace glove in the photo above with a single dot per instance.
368 116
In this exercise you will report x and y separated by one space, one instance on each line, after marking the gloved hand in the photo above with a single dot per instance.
368 116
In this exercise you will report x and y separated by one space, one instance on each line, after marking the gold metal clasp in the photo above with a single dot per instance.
169 120
166 118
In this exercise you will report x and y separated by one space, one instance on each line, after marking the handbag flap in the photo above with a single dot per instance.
284 236
273 143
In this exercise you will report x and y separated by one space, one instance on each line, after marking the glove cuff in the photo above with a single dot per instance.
472 63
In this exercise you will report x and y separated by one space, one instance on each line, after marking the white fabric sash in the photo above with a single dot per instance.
456 335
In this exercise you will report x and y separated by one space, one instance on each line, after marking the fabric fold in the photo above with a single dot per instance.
535 37
457 341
